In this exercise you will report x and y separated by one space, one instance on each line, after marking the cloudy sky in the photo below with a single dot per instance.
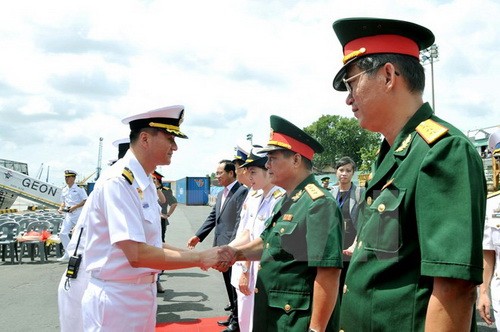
71 70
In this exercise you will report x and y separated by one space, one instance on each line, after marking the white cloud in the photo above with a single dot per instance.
71 71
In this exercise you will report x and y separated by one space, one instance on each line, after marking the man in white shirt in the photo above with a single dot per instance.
124 252
72 200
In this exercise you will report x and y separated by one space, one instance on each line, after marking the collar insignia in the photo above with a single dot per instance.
388 184
405 144
297 195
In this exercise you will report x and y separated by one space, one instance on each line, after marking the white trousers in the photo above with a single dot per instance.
112 306
245 311
495 299
70 301
66 228
245 303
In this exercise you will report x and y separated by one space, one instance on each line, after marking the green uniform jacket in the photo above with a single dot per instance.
303 233
421 217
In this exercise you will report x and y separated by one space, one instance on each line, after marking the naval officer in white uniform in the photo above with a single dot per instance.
124 252
256 210
491 263
70 290
72 200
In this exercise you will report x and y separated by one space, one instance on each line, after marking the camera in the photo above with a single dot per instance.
73 266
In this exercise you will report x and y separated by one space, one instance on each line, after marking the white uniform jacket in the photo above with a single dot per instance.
123 207
70 197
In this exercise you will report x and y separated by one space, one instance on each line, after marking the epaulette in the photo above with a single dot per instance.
277 193
314 191
128 175
431 131
493 194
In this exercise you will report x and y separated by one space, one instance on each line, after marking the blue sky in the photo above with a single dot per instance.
71 70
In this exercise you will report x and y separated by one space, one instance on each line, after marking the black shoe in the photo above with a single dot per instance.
229 307
226 322
233 327
229 321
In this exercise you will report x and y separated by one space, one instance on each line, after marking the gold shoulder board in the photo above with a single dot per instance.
277 193
493 194
314 191
128 175
431 131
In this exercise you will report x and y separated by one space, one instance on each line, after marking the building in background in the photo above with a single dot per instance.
491 157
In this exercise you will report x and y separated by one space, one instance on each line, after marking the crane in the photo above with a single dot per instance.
40 171
99 159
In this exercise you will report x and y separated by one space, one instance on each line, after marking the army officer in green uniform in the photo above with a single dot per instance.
418 258
301 248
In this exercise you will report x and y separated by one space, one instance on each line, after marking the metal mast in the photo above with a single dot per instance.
99 160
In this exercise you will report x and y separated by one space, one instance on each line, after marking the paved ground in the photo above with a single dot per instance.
28 292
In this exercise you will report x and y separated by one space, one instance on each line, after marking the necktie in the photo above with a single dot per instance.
224 196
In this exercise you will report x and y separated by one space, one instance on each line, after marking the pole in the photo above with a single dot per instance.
99 159
428 56
432 83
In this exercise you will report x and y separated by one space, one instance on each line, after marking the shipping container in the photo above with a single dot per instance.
192 190
90 187
173 187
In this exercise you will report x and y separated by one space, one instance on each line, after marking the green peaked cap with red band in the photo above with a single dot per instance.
362 36
286 135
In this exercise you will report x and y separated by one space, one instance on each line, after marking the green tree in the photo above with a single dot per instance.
342 136
368 156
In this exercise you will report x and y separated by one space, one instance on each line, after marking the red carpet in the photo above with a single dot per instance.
196 325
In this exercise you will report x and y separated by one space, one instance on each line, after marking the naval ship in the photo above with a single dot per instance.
15 182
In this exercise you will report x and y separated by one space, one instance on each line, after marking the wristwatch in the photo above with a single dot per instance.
312 330
244 268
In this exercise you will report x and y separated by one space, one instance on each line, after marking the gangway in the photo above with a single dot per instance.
35 190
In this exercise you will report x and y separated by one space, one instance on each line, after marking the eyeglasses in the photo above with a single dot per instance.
350 79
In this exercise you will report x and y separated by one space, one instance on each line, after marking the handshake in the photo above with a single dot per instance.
219 258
